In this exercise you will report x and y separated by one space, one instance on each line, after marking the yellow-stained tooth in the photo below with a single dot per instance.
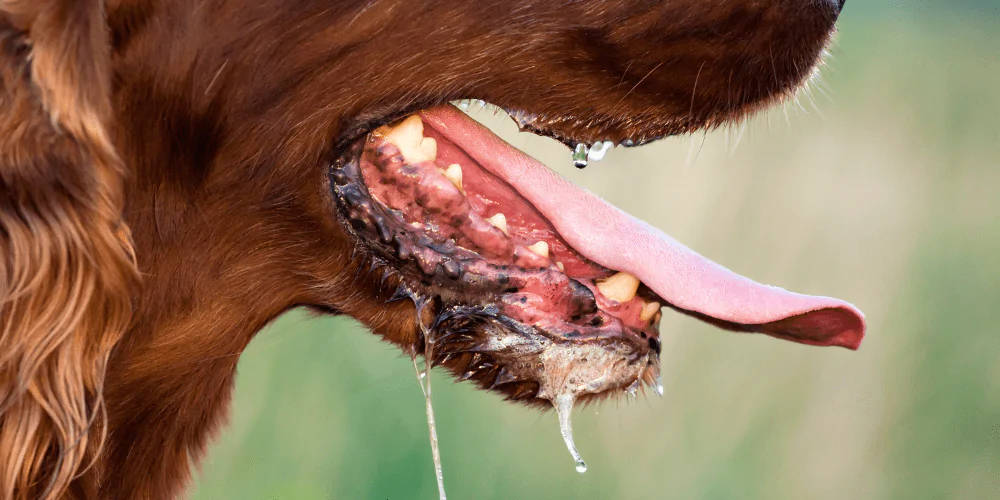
649 310
499 221
561 266
408 136
540 248
454 174
620 287
429 147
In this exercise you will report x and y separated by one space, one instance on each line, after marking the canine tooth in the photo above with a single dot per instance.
499 221
408 136
649 310
540 248
620 287
454 174
561 266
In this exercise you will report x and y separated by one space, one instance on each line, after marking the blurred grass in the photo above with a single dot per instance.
882 188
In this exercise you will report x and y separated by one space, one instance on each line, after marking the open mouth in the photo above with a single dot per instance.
537 288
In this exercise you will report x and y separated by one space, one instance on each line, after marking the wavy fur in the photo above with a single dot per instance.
65 266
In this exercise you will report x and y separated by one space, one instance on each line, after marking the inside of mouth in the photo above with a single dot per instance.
460 225
479 223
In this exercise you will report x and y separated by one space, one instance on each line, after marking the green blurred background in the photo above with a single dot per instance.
880 186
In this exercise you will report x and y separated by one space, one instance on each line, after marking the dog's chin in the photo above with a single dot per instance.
527 284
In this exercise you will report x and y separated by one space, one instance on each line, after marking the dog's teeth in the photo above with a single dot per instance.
430 148
598 150
620 287
454 174
561 266
540 248
408 136
499 221
649 310
463 104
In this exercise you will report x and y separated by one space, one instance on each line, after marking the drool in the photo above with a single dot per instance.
514 307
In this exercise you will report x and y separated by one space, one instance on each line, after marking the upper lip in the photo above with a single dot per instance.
541 125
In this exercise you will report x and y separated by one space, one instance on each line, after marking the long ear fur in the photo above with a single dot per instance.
66 265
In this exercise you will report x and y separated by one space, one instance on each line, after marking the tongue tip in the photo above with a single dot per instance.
841 325
851 337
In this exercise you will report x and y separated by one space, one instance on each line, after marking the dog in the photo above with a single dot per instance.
174 175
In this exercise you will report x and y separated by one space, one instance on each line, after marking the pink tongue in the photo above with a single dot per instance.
612 238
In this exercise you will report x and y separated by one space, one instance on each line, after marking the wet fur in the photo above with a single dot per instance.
206 128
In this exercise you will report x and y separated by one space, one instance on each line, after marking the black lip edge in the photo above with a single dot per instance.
410 283
570 142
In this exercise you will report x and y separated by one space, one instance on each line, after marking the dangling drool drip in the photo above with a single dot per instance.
424 379
564 406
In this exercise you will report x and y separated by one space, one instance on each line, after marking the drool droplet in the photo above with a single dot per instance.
580 155
425 387
564 406
598 150
633 389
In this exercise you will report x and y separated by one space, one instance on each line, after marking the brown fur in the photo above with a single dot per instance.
66 271
226 114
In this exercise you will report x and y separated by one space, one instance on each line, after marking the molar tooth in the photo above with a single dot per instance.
499 221
408 136
454 174
540 248
649 310
410 130
430 148
620 287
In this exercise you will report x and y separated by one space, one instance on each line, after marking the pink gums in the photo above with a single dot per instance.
431 203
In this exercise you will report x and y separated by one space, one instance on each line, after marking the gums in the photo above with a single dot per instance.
447 231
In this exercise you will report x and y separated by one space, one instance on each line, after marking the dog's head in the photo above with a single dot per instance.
522 282
304 153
